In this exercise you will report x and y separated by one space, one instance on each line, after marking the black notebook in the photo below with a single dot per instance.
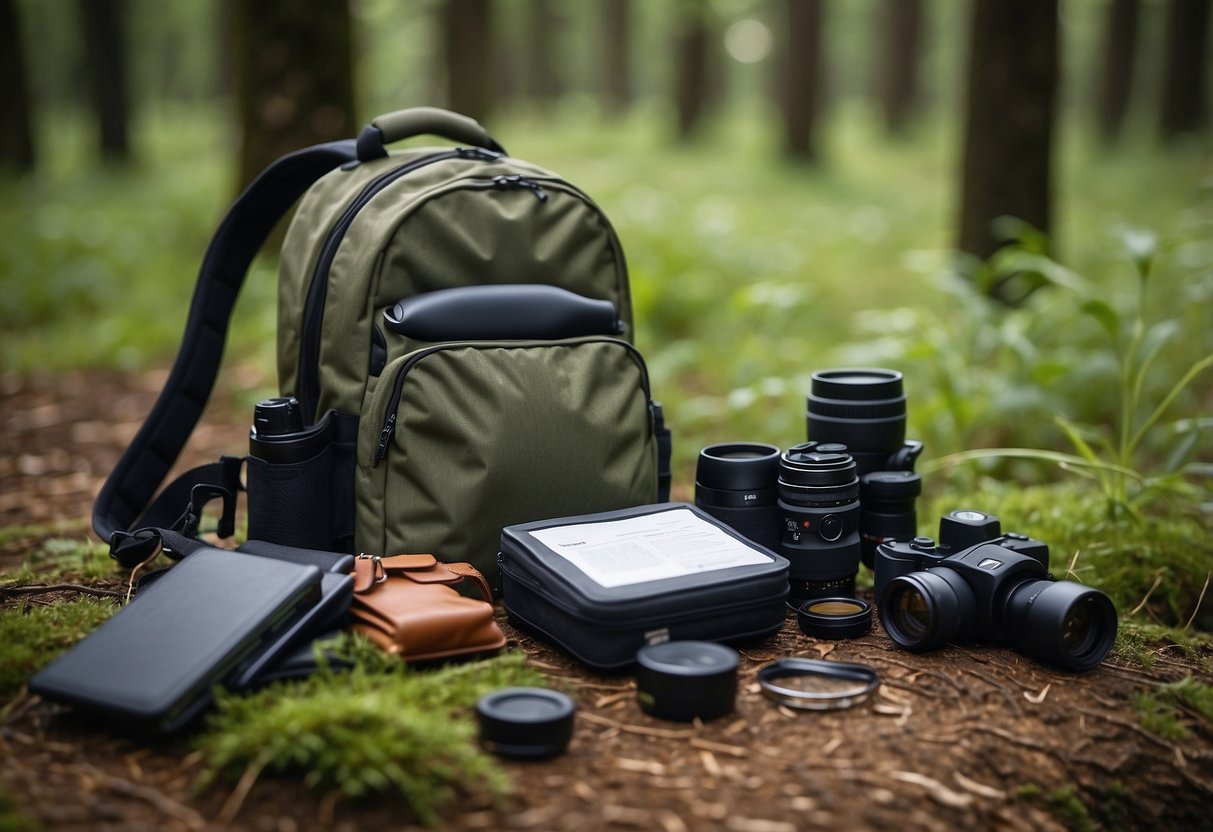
152 666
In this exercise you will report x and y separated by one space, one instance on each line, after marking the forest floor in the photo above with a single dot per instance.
960 738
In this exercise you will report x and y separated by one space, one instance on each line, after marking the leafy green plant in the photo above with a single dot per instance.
379 728
1110 456
30 636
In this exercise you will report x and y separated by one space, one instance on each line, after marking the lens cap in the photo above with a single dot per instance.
682 680
816 684
831 619
890 486
525 723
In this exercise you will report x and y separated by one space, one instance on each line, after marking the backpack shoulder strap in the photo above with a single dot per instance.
154 450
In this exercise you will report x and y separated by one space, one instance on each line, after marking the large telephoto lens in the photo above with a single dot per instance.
887 510
819 508
735 482
864 409
1063 623
925 610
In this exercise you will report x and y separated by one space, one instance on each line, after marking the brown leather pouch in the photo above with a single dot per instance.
406 604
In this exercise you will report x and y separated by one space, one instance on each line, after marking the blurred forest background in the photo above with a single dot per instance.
1012 202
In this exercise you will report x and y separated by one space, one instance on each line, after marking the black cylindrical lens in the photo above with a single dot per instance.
887 509
735 482
819 507
277 416
864 409
1061 622
925 610
278 435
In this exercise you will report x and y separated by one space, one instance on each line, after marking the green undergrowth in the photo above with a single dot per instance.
12 819
1138 643
1167 710
58 559
1109 810
380 728
33 635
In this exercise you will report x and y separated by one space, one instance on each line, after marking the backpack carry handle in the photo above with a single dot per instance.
419 121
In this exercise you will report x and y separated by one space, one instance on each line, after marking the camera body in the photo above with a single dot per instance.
958 530
998 590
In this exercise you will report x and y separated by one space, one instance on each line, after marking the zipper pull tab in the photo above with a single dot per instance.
385 437
515 180
477 153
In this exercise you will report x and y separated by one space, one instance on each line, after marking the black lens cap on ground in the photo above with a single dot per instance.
831 619
525 723
682 680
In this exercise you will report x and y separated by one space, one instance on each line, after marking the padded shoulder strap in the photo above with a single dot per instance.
152 452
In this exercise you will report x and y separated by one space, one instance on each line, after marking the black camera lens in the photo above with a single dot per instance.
925 610
864 409
819 506
735 482
277 416
1061 622
887 509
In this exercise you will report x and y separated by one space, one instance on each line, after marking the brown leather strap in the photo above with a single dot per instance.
393 563
466 570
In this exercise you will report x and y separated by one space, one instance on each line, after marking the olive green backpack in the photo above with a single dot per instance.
455 339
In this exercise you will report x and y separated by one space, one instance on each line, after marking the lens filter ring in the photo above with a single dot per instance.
816 684
831 619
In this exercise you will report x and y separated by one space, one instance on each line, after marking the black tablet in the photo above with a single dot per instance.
152 666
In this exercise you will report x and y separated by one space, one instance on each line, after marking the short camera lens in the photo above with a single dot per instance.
912 614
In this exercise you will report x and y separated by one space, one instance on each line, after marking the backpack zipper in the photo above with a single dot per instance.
313 308
388 429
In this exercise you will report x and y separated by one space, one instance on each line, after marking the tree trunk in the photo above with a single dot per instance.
1185 59
16 111
1119 57
105 59
543 82
294 77
902 45
616 49
1013 76
801 86
467 32
691 77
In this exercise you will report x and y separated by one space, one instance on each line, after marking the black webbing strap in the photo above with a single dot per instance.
153 451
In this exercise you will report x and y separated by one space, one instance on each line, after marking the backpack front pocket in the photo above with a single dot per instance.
462 439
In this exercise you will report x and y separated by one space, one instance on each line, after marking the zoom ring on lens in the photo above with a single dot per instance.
795 494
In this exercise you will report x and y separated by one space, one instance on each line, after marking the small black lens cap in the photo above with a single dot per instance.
682 680
831 619
525 723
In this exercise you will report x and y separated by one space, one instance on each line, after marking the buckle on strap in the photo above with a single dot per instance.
200 495
133 548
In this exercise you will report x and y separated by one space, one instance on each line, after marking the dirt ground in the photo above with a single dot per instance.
961 738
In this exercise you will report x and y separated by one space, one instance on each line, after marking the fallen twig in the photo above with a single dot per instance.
643 730
1199 601
1149 592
